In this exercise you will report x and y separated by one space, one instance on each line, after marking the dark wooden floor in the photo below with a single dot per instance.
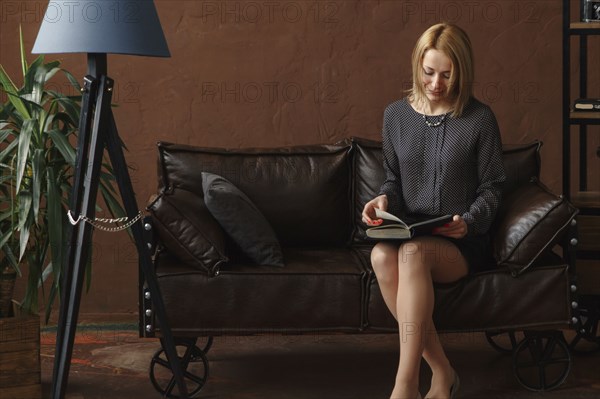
110 361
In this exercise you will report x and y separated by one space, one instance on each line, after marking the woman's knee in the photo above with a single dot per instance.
432 255
416 255
384 259
412 252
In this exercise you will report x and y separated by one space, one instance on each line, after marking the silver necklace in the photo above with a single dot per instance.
434 124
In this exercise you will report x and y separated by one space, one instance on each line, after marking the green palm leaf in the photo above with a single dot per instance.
38 165
24 225
13 96
70 107
23 154
52 68
55 219
29 78
4 134
37 160
22 48
63 145
7 152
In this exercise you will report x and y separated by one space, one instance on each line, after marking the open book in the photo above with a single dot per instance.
395 228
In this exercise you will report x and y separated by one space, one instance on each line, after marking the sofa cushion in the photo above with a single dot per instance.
242 220
186 227
530 219
535 299
477 303
317 290
304 192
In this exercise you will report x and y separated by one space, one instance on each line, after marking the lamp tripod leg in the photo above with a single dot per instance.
85 190
117 159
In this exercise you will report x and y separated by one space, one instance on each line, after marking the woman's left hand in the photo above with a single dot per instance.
457 228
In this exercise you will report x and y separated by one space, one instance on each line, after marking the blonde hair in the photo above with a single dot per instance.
455 44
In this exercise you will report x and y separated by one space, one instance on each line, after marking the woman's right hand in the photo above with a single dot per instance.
368 213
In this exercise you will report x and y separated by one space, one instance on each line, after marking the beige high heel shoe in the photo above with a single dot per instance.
455 386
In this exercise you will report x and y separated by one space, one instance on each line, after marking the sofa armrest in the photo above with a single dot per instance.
530 220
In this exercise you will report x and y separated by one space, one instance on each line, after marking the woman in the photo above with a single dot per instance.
442 155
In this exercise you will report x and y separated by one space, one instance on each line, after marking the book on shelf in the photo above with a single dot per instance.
394 228
587 104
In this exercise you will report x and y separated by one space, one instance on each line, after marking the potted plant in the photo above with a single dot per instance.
38 128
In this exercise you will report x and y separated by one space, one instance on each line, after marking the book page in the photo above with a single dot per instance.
388 216
389 232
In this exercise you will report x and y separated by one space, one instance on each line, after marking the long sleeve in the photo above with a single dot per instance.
392 185
491 176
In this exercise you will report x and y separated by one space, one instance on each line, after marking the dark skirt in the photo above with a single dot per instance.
477 251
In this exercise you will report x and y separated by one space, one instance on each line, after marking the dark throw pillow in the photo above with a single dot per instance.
242 220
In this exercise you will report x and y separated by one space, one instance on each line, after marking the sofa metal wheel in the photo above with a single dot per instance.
195 369
542 360
503 341
208 345
587 339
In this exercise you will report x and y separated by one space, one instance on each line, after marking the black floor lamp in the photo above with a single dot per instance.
99 28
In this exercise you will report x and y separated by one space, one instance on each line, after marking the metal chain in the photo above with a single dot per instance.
96 222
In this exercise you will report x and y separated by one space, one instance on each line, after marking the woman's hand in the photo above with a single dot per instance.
368 213
457 228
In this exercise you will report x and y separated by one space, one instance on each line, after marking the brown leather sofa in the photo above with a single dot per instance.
313 196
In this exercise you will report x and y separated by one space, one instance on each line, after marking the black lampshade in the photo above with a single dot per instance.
101 26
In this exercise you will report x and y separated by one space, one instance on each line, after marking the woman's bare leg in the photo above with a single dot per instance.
442 373
406 278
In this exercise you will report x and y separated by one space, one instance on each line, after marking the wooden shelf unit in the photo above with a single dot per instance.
590 117
588 202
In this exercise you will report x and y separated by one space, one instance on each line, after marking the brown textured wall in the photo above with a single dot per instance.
273 73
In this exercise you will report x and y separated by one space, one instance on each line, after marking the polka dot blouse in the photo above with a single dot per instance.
438 165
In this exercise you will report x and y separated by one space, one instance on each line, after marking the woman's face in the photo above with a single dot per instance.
436 75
